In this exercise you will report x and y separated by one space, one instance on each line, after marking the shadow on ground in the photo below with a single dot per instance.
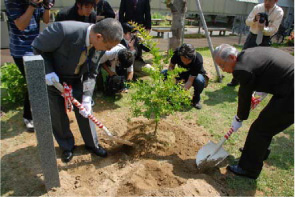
224 94
20 176
13 126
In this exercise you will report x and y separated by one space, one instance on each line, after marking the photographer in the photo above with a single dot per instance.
132 42
264 21
82 11
118 63
24 24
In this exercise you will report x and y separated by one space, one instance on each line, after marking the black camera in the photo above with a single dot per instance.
263 18
45 4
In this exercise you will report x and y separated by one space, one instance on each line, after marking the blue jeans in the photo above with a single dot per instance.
198 84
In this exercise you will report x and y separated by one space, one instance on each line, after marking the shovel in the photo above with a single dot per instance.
212 154
107 133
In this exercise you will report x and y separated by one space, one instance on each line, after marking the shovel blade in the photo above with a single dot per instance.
207 158
119 140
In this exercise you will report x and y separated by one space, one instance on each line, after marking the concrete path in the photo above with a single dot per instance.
200 43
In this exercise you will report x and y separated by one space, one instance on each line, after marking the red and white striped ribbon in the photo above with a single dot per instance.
254 102
69 99
228 134
67 94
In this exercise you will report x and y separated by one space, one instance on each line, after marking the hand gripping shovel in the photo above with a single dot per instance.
212 154
91 117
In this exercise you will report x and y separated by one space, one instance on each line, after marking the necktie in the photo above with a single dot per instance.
83 59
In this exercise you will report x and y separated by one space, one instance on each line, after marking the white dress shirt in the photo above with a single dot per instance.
275 16
112 56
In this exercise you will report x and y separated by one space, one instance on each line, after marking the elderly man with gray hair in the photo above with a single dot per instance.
260 69
68 49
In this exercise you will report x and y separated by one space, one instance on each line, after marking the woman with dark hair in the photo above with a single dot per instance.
104 10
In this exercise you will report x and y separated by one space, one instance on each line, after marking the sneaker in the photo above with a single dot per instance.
29 124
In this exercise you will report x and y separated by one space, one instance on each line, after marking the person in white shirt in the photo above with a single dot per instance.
118 61
261 30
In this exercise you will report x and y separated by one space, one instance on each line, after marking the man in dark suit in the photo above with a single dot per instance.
260 69
68 49
138 11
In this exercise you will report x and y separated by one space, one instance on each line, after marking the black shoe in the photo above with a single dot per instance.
237 170
266 154
197 105
232 84
67 155
99 151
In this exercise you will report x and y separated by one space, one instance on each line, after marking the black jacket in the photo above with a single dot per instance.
140 14
103 8
71 14
263 69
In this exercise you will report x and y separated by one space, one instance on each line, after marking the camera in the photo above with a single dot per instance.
47 2
263 18
44 4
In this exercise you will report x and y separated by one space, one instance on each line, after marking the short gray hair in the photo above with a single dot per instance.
110 29
224 51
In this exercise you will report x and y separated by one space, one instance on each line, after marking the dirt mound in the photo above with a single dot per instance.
161 163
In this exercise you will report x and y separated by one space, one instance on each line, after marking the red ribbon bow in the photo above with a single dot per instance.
67 94
254 102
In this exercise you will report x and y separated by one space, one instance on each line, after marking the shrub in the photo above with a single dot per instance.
157 15
157 97
12 85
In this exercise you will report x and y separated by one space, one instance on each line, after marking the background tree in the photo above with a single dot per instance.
178 9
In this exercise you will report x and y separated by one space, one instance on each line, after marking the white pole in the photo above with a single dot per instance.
208 38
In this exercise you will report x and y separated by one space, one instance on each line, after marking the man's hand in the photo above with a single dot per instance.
257 97
86 103
48 4
236 123
256 18
36 3
51 78
98 18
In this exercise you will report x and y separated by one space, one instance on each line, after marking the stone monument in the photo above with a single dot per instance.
35 74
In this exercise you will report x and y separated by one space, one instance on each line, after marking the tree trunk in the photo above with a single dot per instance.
156 128
178 10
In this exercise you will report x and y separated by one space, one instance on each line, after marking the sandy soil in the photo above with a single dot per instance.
157 165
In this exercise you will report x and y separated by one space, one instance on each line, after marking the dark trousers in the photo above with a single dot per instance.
274 118
198 84
27 107
250 43
60 120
